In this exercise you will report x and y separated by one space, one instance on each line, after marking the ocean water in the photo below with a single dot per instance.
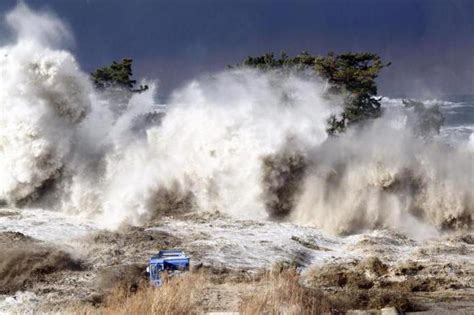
74 160
457 110
247 143
459 115
56 226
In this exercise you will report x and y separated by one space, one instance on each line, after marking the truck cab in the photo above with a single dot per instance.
171 261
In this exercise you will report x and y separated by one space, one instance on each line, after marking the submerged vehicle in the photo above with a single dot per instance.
171 261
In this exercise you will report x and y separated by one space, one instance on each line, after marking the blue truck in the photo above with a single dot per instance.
171 261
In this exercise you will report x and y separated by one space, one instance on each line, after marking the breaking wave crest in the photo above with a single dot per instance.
43 97
384 177
243 142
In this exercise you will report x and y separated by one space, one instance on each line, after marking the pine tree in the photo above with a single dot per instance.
351 75
118 74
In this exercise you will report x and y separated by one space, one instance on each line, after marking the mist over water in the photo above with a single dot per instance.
242 142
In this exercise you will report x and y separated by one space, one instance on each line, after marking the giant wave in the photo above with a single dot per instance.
242 142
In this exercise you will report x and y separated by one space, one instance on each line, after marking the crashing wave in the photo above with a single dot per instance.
43 97
243 142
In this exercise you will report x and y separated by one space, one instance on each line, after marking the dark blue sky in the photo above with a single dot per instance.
429 42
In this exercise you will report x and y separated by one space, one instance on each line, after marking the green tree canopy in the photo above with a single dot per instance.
351 75
118 74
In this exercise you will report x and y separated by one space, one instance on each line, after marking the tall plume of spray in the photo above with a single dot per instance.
381 176
211 141
43 96
243 142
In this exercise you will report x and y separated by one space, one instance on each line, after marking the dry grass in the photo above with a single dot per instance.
272 293
179 295
281 293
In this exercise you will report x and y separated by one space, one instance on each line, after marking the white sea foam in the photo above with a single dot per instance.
240 141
